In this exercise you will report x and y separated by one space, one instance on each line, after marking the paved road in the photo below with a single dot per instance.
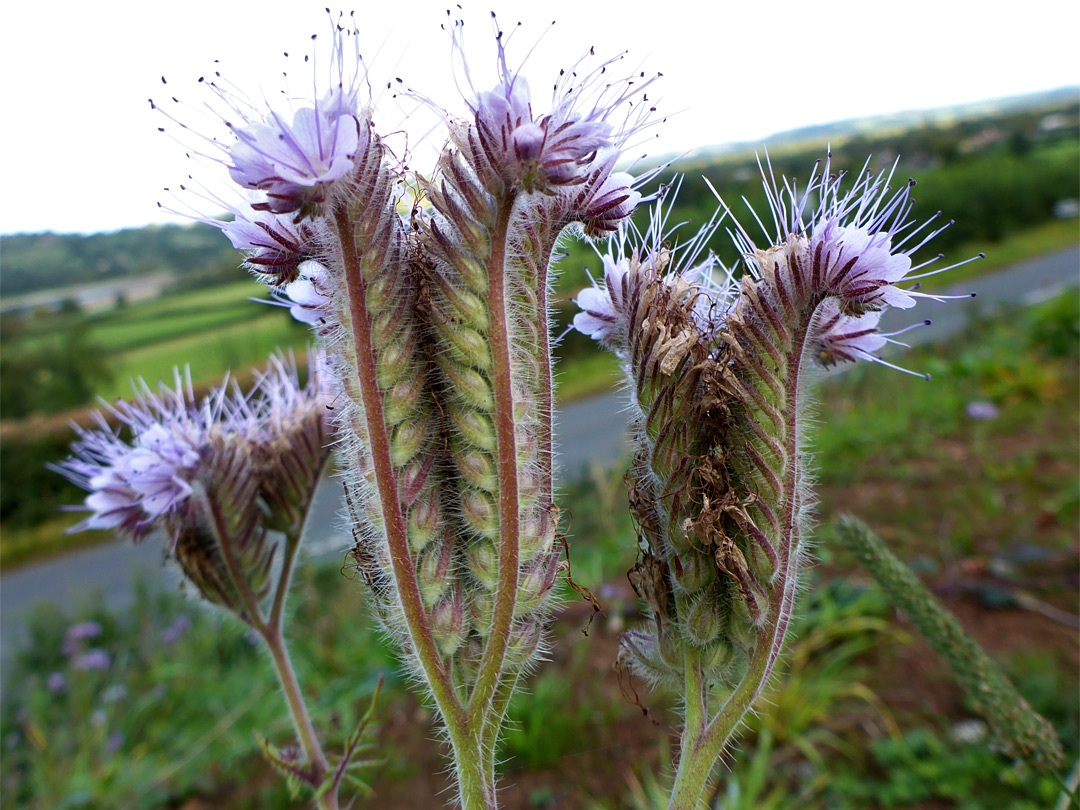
587 431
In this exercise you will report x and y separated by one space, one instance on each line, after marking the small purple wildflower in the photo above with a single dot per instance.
56 682
92 660
983 411
601 303
293 162
177 630
841 338
82 631
635 259
853 250
576 142
134 485
308 296
275 246
292 159
113 743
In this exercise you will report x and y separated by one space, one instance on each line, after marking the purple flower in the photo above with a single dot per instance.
983 411
177 630
293 162
82 631
133 485
837 337
855 246
308 297
78 634
636 260
292 159
601 304
845 251
56 682
603 205
275 245
563 147
92 659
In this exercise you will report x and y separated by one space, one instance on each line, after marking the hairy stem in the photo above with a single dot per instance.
404 570
272 637
490 674
701 750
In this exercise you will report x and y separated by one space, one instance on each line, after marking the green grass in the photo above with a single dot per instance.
209 355
23 544
1049 237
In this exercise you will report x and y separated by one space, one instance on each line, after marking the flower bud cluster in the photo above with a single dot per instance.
718 378
214 475
437 326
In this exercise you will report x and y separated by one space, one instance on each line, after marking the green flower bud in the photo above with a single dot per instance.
475 426
693 571
466 345
408 439
484 563
401 400
480 513
477 468
525 639
433 571
423 520
470 385
448 622
703 622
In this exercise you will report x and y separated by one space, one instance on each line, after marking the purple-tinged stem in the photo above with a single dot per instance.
274 640
703 743
386 483
509 530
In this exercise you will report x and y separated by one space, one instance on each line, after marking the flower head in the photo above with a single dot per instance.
275 246
635 260
134 484
844 258
308 295
292 158
564 146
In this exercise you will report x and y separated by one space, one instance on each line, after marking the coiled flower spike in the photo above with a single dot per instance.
718 487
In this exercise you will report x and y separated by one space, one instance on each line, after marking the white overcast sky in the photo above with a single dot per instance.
83 152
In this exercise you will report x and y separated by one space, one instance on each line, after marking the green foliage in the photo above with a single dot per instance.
922 767
1015 725
55 376
173 714
40 261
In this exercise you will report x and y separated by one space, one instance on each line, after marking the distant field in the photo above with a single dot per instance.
215 329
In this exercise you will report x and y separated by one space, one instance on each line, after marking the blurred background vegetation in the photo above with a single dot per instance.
982 501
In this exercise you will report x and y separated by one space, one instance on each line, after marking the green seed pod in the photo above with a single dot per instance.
423 520
433 572
448 622
394 362
480 513
474 426
484 563
477 468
